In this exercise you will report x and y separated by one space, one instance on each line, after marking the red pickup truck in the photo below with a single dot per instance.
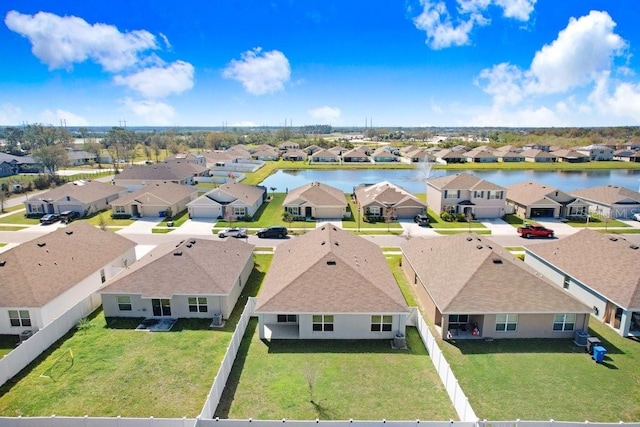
528 231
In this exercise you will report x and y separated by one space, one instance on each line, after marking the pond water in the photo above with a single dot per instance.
413 179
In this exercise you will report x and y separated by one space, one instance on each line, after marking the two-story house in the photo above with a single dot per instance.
465 193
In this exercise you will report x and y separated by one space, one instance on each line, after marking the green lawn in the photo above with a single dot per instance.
542 379
11 227
270 380
270 213
13 208
18 218
355 222
105 216
596 221
161 230
396 268
178 219
436 222
119 371
7 342
462 231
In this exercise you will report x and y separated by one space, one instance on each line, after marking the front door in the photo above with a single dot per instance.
307 211
161 307
134 211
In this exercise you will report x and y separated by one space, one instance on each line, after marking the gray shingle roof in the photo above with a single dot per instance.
385 193
466 273
203 267
168 171
329 270
85 191
528 192
607 194
166 191
37 271
463 181
317 194
610 267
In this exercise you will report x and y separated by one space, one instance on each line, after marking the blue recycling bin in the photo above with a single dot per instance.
598 353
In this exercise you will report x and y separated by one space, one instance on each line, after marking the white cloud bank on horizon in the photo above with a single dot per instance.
151 112
160 81
56 117
259 72
580 58
444 30
326 115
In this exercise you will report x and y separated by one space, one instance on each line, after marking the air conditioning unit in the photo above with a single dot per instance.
25 335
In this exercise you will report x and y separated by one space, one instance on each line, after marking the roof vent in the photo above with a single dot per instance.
634 246
193 242
323 227
479 246
336 243
323 242
69 232
613 239
3 263
331 262
177 253
469 239
41 244
189 245
497 260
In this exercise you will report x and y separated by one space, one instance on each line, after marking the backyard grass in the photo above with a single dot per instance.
542 379
7 342
13 208
394 262
117 370
270 380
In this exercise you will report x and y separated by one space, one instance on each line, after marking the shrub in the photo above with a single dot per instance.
446 216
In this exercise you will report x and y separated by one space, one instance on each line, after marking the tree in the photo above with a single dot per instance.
229 217
4 193
51 157
287 217
389 213
273 191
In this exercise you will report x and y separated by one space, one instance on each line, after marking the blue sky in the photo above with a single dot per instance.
537 63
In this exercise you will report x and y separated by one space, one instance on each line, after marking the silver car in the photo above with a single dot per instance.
233 232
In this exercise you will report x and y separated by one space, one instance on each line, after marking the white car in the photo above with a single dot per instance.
233 232
636 216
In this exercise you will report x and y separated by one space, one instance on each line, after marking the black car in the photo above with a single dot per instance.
274 231
421 219
68 216
49 218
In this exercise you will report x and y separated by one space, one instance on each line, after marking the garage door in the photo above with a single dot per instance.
203 212
542 212
76 208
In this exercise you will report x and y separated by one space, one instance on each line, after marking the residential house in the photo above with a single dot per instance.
295 155
481 155
241 151
330 284
474 288
633 145
230 199
610 201
387 200
80 157
316 201
288 145
45 277
597 152
384 155
535 146
7 168
367 150
179 280
137 176
220 158
324 156
196 159
449 156
535 200
355 156
338 150
13 165
466 194
509 156
154 200
539 156
266 153
627 155
600 270
84 196
312 149
570 156
420 155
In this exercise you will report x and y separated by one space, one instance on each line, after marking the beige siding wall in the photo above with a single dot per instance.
531 326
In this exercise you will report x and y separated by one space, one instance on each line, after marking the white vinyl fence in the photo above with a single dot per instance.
342 423
25 353
213 398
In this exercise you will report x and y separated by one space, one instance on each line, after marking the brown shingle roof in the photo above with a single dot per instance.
37 271
329 270
203 267
85 191
248 194
317 194
607 194
385 193
528 192
606 264
466 273
166 191
169 171
463 181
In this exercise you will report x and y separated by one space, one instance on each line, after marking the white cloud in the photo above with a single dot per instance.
158 82
623 101
584 49
166 41
527 117
503 82
517 9
9 114
60 42
260 72
151 112
56 117
244 124
326 114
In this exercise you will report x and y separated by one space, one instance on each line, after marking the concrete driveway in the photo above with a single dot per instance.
195 227
140 226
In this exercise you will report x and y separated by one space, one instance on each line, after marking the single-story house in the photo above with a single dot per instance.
451 156
539 156
13 165
316 201
610 200
288 145
474 288
45 277
420 155
385 199
80 157
84 196
137 176
312 149
384 154
179 279
196 159
153 200
232 198
570 156
600 270
295 155
480 155
330 284
627 155
265 153
536 200
509 156
324 156
466 194
355 155
338 150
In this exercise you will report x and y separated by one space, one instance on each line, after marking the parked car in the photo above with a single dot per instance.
273 231
68 216
528 231
233 232
636 217
421 219
49 218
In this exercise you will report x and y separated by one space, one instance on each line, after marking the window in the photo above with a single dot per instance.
564 322
478 194
198 304
124 303
293 210
374 210
381 323
566 281
239 212
120 209
103 278
451 194
506 322
458 319
323 323
494 195
287 318
19 318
